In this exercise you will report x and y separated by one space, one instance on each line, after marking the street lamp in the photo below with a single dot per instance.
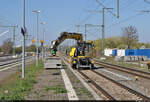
43 47
37 39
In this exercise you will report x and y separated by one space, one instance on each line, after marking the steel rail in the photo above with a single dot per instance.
123 86
125 69
119 84
94 83
97 86
15 60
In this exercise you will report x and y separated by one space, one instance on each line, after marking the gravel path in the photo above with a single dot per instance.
50 86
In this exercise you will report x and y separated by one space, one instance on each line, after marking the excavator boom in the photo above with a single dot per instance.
64 36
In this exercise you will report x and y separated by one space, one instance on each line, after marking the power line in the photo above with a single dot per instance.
127 19
147 1
101 4
84 20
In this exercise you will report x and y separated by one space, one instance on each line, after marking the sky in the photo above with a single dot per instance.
64 15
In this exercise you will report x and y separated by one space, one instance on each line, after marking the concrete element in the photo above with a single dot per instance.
144 58
71 93
118 58
108 52
84 83
135 58
132 58
118 75
53 62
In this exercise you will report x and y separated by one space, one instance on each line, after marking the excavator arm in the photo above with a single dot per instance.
64 36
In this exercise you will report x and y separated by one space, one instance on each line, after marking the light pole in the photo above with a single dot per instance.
37 39
43 47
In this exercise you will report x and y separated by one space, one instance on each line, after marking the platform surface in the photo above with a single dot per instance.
53 62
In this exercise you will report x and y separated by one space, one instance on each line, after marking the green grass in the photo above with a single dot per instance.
17 88
57 89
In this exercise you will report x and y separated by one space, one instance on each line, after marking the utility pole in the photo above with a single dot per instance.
118 9
78 28
14 35
85 28
23 31
103 21
37 39
85 31
103 29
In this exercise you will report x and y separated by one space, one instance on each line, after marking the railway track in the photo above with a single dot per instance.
127 91
12 63
142 74
123 86
93 83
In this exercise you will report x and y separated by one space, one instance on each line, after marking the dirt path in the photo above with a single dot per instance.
49 86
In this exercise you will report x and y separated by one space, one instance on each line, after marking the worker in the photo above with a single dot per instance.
80 51
66 52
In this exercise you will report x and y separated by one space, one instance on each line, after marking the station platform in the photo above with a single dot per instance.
52 63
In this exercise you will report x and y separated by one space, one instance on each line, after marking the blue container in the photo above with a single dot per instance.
129 52
143 52
114 52
137 52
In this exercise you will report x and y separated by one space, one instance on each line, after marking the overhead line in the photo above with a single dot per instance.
127 19
101 4
147 1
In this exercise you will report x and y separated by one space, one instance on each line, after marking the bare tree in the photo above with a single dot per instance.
130 36
7 46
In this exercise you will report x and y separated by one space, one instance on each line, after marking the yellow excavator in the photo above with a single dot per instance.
79 55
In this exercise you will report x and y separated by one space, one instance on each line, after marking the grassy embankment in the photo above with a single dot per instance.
16 88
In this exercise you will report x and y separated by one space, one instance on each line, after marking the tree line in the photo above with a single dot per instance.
7 48
129 39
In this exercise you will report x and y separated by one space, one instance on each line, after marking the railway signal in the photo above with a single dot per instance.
33 41
41 41
42 50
